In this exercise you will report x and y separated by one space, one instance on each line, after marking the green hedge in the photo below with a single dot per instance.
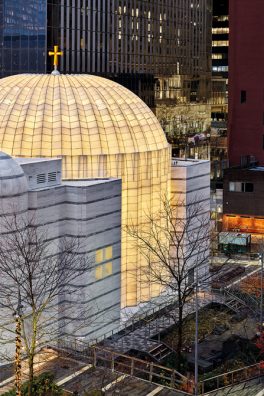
43 386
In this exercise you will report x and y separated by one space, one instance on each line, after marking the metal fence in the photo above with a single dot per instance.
125 364
155 373
231 378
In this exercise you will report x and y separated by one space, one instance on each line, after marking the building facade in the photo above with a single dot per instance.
158 49
87 210
190 191
220 43
23 36
243 200
243 181
101 130
246 83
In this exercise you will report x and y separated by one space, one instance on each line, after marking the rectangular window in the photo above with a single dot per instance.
235 186
232 186
108 253
99 256
103 270
243 96
99 272
107 269
247 187
104 254
241 187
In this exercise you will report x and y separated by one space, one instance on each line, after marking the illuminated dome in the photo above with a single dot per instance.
46 115
13 181
100 129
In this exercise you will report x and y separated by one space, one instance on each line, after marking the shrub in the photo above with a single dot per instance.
43 385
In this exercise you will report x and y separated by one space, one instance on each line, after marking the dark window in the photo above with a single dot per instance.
241 187
263 142
247 187
243 96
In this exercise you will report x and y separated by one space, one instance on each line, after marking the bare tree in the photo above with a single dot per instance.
43 273
175 244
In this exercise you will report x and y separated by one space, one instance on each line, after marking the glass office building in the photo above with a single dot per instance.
22 36
161 45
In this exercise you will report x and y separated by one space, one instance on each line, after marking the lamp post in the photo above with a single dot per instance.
261 292
196 379
18 314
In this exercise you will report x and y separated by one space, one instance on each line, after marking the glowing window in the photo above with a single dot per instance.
107 269
99 256
99 272
104 270
104 254
108 253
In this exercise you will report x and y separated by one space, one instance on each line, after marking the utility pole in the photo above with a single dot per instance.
18 314
196 378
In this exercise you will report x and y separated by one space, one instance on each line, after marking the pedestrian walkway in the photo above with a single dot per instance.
141 339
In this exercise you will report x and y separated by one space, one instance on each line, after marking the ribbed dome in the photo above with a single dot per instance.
46 115
12 178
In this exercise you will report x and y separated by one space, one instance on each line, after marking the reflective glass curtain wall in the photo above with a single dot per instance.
22 36
136 42
125 36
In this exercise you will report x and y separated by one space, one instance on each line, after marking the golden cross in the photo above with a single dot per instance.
56 55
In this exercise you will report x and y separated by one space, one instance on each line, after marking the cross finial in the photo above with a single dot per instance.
56 53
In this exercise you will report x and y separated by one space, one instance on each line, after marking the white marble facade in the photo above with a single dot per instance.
86 209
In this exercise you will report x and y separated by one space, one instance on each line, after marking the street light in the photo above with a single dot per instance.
196 373
261 256
18 314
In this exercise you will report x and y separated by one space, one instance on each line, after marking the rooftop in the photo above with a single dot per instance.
186 162
27 160
86 182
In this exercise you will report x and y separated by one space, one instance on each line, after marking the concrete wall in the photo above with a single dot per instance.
190 189
90 212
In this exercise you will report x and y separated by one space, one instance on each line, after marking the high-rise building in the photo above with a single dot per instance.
246 82
243 182
144 45
22 36
220 42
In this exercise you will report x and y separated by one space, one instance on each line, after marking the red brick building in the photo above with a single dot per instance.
246 81
243 206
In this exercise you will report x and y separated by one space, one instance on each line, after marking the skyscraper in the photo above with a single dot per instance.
22 36
144 45
220 42
243 181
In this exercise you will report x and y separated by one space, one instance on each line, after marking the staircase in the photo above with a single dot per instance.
237 300
234 304
160 352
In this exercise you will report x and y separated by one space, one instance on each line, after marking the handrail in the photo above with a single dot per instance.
231 378
126 364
